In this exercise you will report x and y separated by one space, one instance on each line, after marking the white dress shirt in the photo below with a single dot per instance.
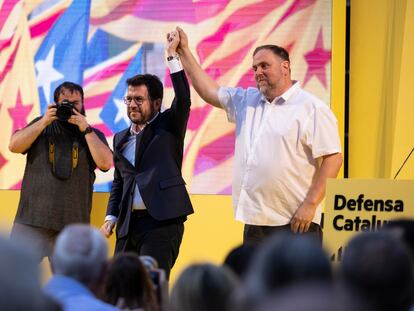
277 149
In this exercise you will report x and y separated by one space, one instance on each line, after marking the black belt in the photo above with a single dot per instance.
140 212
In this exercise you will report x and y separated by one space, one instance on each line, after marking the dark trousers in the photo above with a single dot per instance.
149 237
256 234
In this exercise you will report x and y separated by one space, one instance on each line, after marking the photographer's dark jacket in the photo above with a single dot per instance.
53 194
158 161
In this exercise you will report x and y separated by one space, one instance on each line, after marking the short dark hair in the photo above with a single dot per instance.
277 50
240 258
203 287
377 266
282 260
152 82
127 278
73 87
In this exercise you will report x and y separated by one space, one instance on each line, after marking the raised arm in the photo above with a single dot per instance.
205 86
21 140
180 107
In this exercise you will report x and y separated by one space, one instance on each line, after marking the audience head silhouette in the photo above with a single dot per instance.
203 287
80 253
283 260
20 287
239 259
128 284
376 266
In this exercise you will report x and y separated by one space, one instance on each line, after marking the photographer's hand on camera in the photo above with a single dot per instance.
50 115
79 120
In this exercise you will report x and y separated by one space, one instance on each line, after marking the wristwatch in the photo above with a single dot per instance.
171 57
87 130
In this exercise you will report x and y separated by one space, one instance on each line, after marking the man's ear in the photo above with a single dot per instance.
157 104
286 67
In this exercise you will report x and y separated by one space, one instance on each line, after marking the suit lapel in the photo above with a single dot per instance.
119 142
147 135
121 139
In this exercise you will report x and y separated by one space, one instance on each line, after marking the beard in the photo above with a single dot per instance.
142 118
138 121
264 88
262 82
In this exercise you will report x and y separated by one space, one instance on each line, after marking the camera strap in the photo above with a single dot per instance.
61 168
75 154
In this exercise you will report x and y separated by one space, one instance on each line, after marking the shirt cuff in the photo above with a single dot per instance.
111 218
175 65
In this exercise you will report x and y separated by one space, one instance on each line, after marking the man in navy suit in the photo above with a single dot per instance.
148 201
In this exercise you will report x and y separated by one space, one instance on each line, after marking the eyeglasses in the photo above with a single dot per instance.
137 100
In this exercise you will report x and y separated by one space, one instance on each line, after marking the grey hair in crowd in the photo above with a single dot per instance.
80 252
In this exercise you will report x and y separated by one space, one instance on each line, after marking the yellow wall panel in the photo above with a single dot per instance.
338 67
403 140
381 108
368 46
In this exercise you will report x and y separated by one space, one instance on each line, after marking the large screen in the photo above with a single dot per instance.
99 44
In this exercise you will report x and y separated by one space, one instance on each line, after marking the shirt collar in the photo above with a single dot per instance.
285 96
290 91
133 132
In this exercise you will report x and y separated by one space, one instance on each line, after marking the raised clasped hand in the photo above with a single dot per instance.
173 39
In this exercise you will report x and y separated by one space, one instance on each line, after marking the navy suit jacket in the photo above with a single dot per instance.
158 161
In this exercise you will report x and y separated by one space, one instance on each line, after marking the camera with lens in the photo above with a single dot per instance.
64 110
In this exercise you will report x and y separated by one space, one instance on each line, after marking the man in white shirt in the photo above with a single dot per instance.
287 144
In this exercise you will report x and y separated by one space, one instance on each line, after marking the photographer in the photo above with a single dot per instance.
62 154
